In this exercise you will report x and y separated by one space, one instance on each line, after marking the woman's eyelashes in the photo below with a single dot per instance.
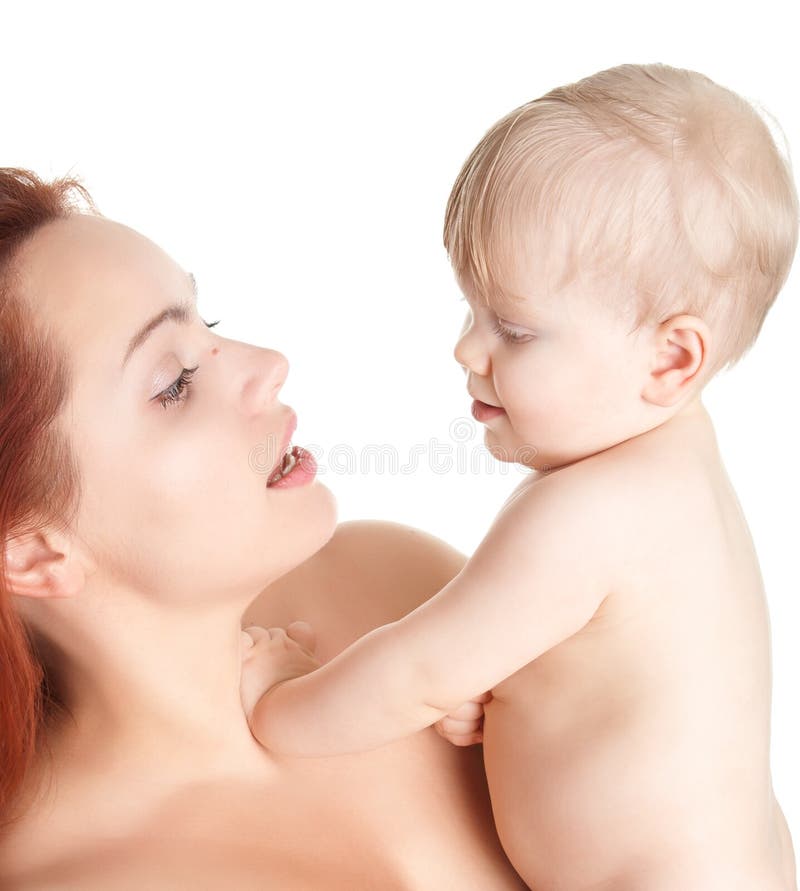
178 391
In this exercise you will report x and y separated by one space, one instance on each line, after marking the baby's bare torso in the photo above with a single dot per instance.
634 756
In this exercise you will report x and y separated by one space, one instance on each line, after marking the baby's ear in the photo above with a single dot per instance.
680 355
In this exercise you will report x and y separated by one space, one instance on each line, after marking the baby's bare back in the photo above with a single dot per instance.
635 754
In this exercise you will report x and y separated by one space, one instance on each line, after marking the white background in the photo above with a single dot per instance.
297 158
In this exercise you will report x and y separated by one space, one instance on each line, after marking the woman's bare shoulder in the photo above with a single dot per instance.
369 573
410 565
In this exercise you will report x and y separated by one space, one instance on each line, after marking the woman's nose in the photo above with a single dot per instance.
278 371
266 379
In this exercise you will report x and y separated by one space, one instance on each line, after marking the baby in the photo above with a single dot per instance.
618 241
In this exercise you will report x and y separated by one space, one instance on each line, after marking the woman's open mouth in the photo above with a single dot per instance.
297 468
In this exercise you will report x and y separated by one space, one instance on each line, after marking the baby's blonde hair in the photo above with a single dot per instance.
653 179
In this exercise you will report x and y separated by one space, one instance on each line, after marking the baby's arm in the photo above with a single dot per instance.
538 576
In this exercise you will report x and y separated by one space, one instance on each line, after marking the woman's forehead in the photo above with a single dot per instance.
86 272
81 254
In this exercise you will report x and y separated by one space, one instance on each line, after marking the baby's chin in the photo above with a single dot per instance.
513 451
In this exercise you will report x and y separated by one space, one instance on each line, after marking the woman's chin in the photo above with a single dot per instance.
319 519
328 512
304 523
301 536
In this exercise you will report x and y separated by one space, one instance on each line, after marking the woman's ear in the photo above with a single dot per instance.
681 350
43 564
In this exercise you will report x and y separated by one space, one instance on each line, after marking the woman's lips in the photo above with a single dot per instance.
483 412
304 470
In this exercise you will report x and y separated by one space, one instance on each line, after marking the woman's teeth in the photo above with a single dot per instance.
289 460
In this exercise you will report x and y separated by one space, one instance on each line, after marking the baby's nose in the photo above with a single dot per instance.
471 354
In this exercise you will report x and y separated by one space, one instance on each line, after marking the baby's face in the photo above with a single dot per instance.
556 380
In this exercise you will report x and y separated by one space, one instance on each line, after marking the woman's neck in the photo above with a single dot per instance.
149 692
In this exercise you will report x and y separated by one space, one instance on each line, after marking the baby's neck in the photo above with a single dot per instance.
690 423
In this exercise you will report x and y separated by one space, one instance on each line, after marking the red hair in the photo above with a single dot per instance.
39 481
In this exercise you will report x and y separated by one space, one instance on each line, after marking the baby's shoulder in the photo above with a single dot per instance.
655 495
641 469
624 476
628 493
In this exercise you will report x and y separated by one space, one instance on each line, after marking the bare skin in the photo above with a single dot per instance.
615 609
156 781
646 734
413 815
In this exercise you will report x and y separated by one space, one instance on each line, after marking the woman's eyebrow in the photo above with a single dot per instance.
182 313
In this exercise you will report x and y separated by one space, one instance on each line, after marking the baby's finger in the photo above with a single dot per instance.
469 711
455 727
469 740
267 638
460 739
303 634
255 632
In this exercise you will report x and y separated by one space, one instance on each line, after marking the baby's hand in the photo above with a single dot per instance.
272 655
464 726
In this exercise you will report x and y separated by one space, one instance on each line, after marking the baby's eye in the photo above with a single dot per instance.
510 336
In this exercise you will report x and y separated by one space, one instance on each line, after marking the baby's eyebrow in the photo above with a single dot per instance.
503 303
518 310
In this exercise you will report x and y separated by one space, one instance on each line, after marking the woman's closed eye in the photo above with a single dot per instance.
178 391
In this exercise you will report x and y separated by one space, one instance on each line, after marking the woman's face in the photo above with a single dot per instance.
175 505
